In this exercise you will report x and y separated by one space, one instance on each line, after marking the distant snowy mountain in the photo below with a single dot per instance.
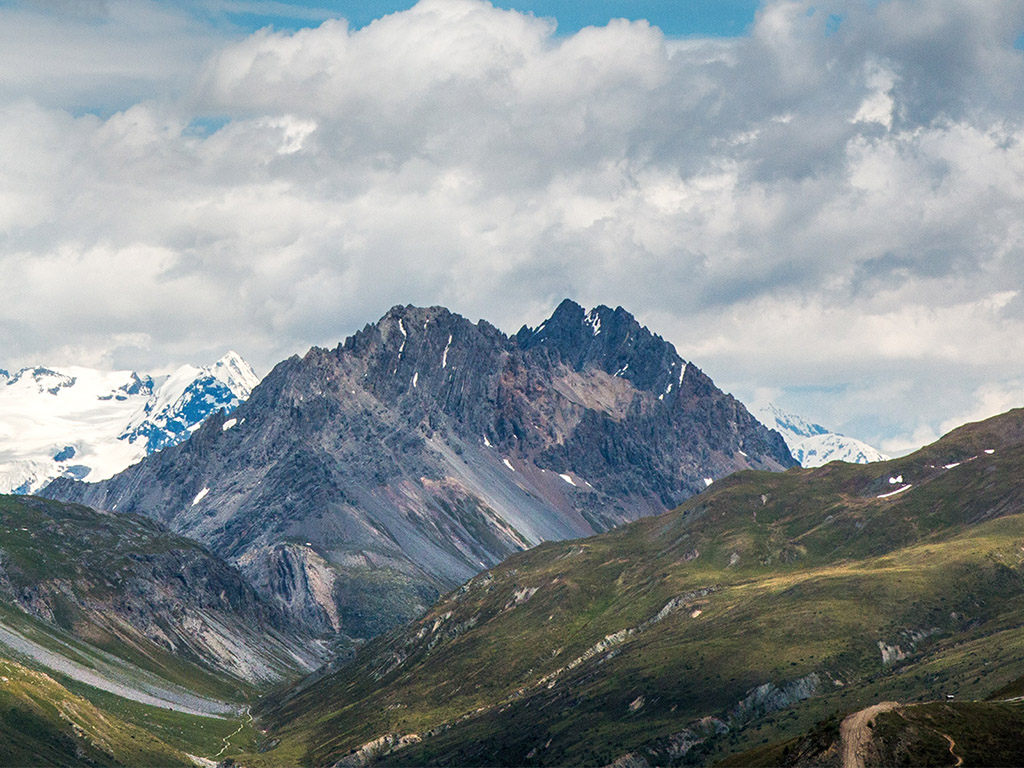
89 424
812 444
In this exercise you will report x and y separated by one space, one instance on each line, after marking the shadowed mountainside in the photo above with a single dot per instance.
124 585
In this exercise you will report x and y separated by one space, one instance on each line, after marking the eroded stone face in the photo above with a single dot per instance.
358 483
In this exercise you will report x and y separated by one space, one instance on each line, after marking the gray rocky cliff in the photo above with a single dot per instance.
357 483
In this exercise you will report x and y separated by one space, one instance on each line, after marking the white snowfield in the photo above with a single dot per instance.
812 444
92 424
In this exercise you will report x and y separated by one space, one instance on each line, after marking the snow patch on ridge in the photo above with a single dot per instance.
444 357
893 493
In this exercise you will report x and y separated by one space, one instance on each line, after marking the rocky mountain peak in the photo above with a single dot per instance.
41 380
426 447
608 339
235 373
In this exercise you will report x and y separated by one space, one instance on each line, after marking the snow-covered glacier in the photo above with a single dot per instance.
90 424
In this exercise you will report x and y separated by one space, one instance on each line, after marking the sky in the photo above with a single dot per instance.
819 203
673 17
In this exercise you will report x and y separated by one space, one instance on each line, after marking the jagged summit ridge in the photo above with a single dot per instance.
426 447
87 423
610 339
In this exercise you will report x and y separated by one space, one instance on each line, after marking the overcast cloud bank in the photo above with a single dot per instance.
825 212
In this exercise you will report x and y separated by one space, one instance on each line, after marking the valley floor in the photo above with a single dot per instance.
116 677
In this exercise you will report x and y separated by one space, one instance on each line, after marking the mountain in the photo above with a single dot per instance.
812 444
85 423
767 604
358 483
123 644
134 590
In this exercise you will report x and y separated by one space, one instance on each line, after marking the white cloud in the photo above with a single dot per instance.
878 106
989 400
807 207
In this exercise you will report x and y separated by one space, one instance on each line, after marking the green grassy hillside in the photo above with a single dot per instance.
752 612
106 628
946 733
127 586
43 723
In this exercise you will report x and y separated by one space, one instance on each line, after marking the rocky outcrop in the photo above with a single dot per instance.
694 743
372 751
426 448
768 698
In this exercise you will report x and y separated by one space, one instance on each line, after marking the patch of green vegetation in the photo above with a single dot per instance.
572 653
203 736
819 747
1011 690
43 723
981 733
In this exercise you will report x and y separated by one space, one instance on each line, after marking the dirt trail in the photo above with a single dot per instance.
952 745
855 733
227 739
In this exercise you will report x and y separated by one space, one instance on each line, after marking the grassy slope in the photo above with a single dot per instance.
43 723
88 554
49 719
982 734
810 570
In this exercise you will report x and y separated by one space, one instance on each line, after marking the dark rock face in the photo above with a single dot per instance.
359 482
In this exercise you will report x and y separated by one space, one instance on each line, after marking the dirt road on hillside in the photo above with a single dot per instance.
952 746
855 734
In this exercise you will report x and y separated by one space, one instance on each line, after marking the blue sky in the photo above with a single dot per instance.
718 18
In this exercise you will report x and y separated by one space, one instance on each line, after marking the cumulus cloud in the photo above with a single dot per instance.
827 208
